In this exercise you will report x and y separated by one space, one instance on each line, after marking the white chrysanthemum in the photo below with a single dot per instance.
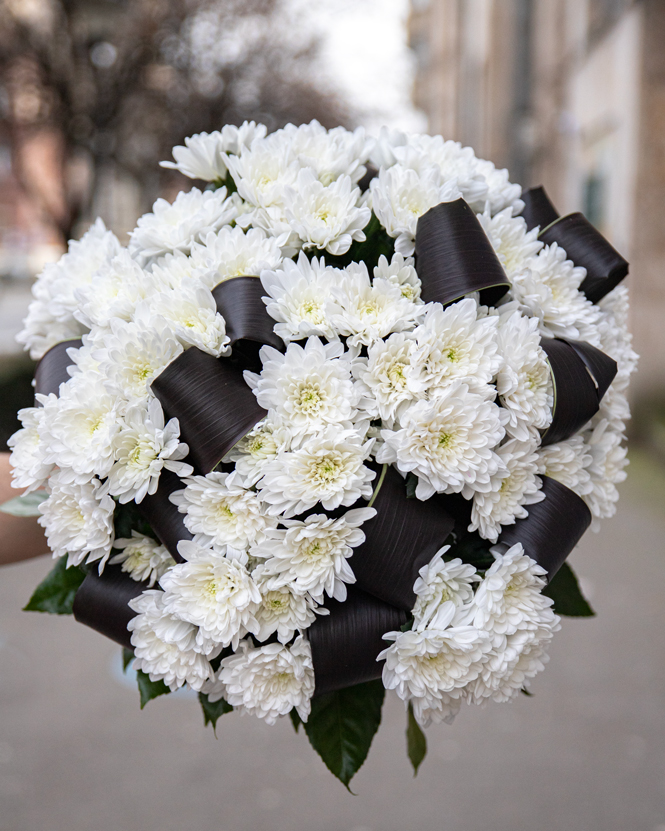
221 513
549 290
455 344
308 388
615 339
440 582
514 245
401 273
270 681
236 140
164 645
509 598
567 462
400 195
300 298
261 444
608 460
442 709
115 290
515 485
192 314
329 153
142 558
262 172
79 427
501 192
507 669
323 216
134 356
50 318
327 468
447 442
212 592
524 379
235 253
311 556
29 470
430 662
142 448
78 521
282 611
172 270
174 227
391 376
200 158
370 311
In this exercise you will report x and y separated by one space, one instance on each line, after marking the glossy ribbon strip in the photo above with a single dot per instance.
101 603
454 256
51 371
553 527
248 324
538 210
212 402
346 642
164 517
581 375
402 538
583 244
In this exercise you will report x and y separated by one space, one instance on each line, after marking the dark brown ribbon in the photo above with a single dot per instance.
345 643
553 527
581 375
212 402
538 210
248 324
402 538
101 603
51 371
454 256
164 517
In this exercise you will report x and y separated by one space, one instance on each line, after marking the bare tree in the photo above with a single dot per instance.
115 84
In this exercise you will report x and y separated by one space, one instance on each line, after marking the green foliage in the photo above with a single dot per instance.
342 725
128 518
411 485
567 595
55 594
25 505
149 689
212 710
296 721
416 743
377 243
127 658
471 548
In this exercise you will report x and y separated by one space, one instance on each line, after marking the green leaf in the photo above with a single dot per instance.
342 725
212 710
127 658
566 594
296 721
55 594
411 485
416 743
526 692
25 505
149 689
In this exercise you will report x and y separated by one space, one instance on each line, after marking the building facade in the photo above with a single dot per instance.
569 94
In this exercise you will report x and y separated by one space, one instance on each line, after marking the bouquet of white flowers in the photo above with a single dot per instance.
328 427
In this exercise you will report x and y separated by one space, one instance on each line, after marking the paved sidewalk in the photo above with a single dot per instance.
586 753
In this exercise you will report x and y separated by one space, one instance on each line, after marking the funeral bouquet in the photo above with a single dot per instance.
329 426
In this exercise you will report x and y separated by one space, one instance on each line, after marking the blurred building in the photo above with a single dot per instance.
569 94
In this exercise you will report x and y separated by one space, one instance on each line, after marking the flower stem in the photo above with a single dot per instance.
384 470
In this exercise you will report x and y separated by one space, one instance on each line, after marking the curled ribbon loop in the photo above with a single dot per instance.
212 402
402 538
581 375
51 371
454 257
538 210
101 603
163 516
248 324
553 527
346 643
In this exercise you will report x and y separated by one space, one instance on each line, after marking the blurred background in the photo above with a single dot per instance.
565 93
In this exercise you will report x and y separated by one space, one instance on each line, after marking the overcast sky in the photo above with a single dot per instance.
366 54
